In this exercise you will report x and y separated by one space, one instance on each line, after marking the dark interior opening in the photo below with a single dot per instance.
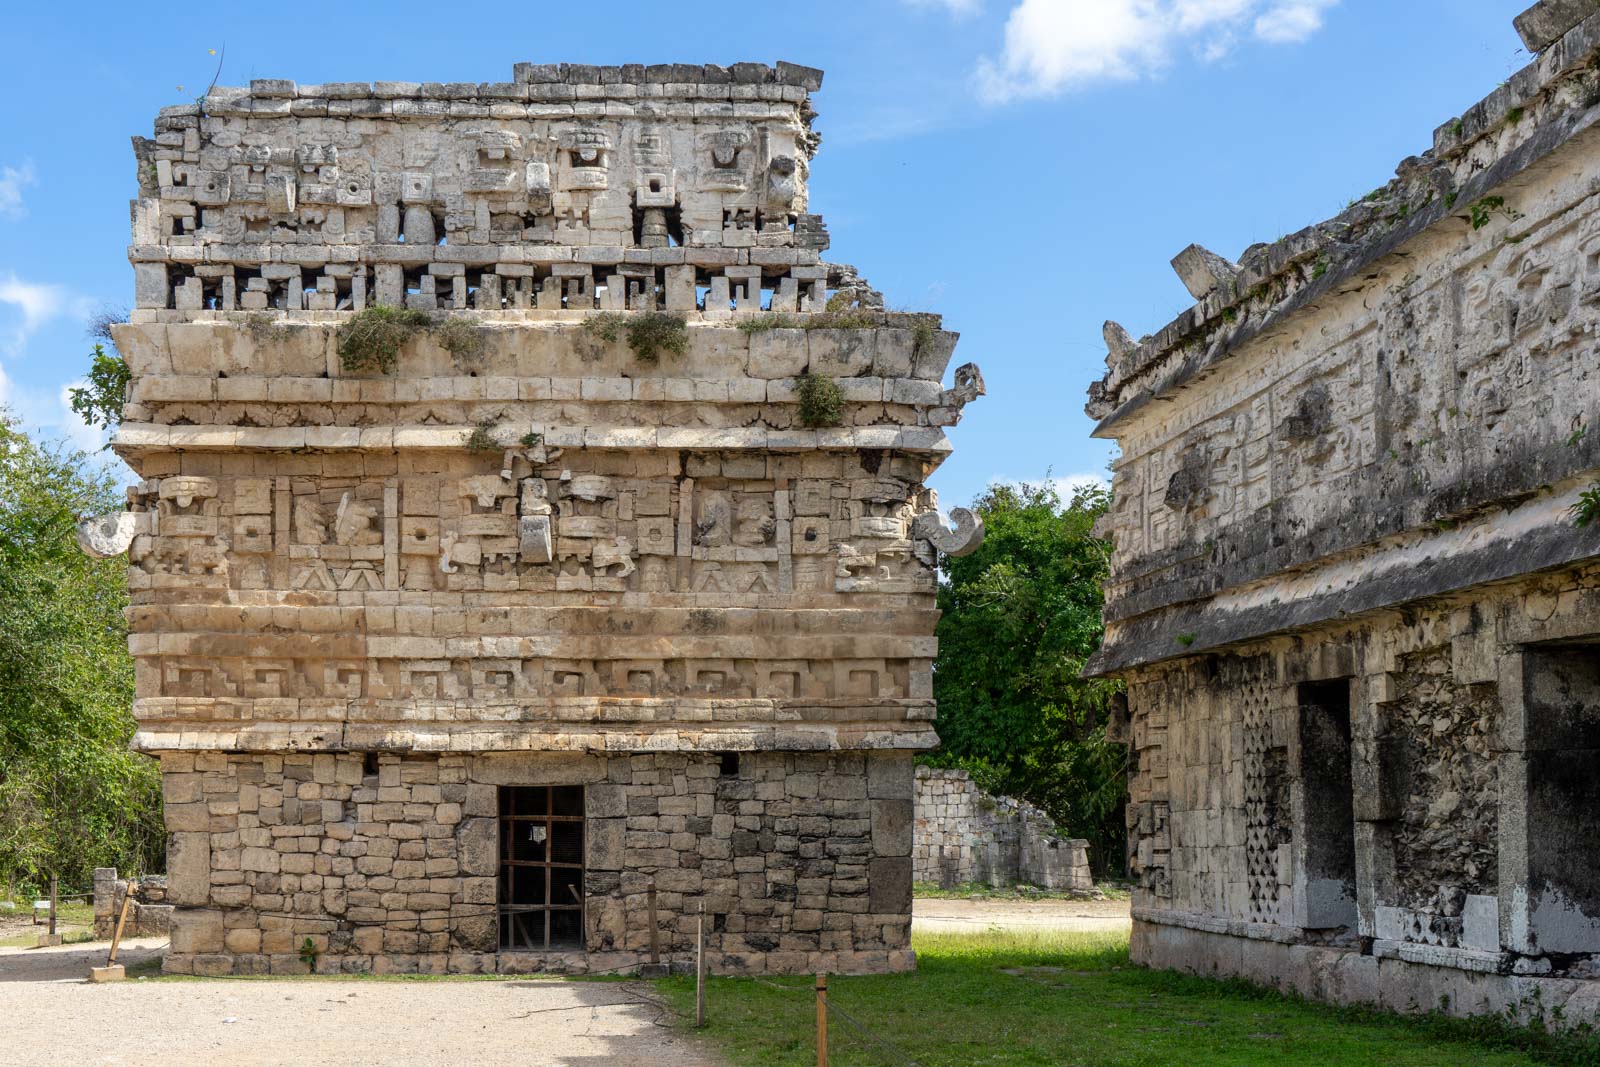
1330 828
729 765
1561 694
541 868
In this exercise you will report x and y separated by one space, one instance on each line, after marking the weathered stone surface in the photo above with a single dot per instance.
1543 24
188 868
1350 599
375 591
963 834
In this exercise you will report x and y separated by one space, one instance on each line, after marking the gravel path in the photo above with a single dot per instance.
975 916
52 1018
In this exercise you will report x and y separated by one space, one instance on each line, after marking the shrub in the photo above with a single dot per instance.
458 336
99 400
371 339
481 439
652 332
821 400
607 325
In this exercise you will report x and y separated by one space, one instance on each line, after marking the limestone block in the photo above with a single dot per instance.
477 840
196 931
889 885
891 827
605 843
188 868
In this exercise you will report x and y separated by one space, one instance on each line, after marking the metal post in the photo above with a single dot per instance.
52 905
655 930
822 1020
700 968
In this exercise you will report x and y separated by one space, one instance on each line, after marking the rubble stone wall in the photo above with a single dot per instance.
964 835
802 861
149 913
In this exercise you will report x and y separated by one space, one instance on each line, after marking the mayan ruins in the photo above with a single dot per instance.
532 529
1357 619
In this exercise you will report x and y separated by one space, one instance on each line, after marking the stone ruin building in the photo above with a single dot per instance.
964 835
448 663
1355 609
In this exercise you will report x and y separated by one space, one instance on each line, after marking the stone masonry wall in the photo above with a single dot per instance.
570 523
965 835
1355 596
802 861
149 915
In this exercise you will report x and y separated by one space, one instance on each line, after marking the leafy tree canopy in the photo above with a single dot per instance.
1021 617
72 797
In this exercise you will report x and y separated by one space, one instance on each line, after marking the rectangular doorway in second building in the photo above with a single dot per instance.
541 868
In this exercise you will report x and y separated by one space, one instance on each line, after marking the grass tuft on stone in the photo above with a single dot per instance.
821 400
370 340
648 333
460 337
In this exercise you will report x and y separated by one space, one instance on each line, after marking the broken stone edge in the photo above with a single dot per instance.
1278 280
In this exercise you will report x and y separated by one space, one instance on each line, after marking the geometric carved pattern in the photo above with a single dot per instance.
1260 802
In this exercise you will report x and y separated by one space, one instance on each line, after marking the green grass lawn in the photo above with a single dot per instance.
1068 999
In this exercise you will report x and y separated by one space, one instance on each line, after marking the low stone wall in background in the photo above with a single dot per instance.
148 916
965 835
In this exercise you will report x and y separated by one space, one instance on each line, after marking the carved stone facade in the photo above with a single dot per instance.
445 664
1357 615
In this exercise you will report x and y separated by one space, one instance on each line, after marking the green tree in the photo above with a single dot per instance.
72 797
1021 617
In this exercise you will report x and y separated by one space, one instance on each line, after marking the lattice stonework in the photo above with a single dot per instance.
1260 804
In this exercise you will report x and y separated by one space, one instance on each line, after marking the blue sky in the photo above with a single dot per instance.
1025 167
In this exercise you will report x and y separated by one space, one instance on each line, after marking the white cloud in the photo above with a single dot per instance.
38 303
25 308
1055 45
955 7
1292 21
12 179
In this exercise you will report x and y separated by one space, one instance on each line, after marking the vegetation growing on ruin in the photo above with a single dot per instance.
98 401
1586 509
72 797
265 328
821 400
1021 616
370 340
481 439
648 333
458 336
822 320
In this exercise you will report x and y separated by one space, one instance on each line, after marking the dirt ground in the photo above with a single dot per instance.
52 1018
974 916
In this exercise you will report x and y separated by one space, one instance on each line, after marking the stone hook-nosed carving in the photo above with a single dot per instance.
961 538
104 536
1202 270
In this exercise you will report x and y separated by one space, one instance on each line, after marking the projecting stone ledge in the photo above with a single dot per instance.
1543 24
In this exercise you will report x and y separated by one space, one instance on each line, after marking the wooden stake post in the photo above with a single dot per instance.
122 917
655 931
822 1020
52 905
700 968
